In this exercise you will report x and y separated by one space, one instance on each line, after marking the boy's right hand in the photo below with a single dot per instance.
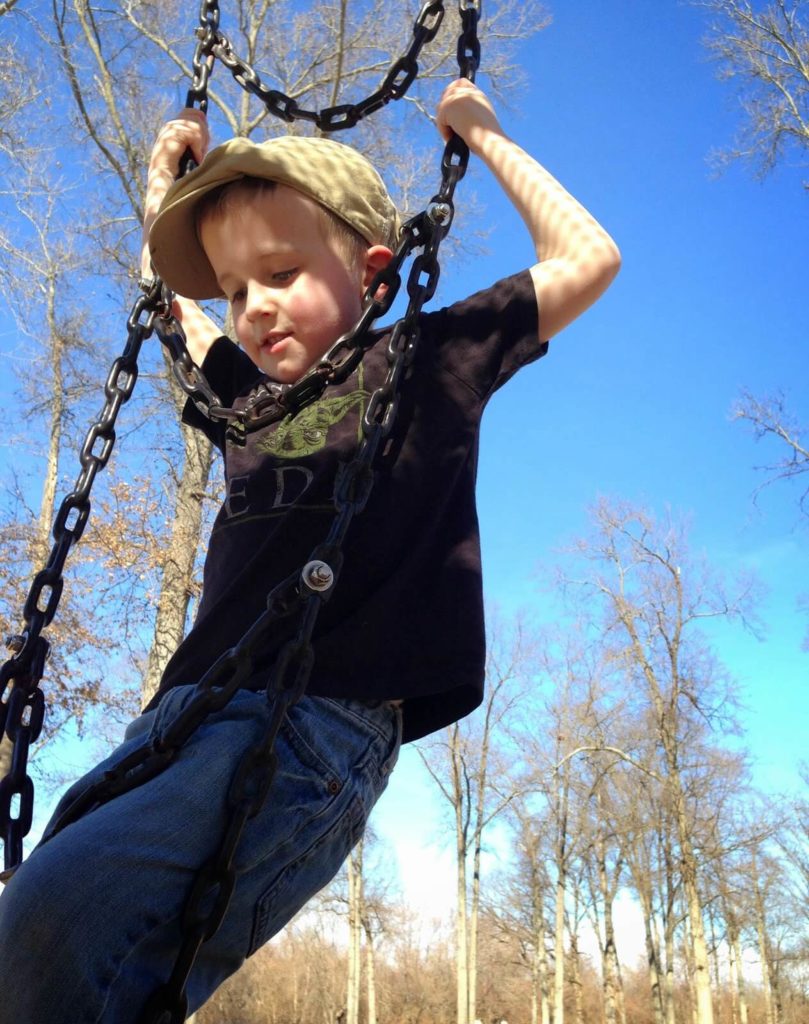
187 131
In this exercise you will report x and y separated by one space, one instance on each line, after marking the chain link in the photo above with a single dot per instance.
304 591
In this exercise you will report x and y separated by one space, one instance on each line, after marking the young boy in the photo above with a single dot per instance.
292 233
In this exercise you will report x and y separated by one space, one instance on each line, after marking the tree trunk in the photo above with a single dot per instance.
57 408
669 980
474 915
354 869
559 953
703 1003
717 980
561 884
737 971
178 571
370 974
688 957
461 917
764 952
544 976
652 958
610 967
575 978
540 1004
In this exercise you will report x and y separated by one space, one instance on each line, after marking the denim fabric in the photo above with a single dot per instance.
89 925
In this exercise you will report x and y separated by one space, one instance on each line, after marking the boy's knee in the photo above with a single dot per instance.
30 924
45 943
44 916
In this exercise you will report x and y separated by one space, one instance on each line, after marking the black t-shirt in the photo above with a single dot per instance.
405 620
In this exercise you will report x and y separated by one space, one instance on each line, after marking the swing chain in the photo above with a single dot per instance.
22 711
202 61
468 52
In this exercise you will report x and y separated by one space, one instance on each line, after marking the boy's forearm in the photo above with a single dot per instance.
576 257
559 225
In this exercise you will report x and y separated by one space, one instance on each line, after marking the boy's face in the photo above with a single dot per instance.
291 293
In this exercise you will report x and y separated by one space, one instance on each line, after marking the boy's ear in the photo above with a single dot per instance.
376 259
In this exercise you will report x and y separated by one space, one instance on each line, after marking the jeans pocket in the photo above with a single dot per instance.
306 873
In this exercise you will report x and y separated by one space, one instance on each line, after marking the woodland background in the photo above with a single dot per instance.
608 762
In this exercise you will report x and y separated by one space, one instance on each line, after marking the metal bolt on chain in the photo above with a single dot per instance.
318 576
15 643
439 213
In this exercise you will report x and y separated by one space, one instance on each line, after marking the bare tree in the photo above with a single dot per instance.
764 51
17 91
469 767
520 908
769 418
639 575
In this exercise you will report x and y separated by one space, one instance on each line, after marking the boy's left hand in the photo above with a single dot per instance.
466 110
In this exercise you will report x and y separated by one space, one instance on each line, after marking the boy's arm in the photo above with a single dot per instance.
188 130
577 259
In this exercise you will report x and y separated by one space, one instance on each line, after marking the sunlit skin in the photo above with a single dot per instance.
290 289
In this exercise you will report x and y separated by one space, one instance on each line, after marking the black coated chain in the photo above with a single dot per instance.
22 703
397 81
305 590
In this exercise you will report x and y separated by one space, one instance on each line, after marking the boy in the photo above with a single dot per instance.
90 923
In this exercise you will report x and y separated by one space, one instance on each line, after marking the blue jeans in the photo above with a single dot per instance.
89 924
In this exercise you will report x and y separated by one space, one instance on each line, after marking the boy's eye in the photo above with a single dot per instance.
237 296
285 275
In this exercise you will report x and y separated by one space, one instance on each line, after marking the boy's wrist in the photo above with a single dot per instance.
482 138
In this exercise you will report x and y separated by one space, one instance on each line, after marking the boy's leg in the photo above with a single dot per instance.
89 925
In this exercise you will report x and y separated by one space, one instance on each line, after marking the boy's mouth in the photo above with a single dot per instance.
274 342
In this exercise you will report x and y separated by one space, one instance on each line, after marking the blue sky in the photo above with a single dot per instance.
635 398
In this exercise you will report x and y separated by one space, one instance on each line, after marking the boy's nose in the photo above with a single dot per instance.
259 302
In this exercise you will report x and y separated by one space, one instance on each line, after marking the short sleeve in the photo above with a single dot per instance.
484 339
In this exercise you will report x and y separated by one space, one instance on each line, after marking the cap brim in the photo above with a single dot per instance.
177 253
